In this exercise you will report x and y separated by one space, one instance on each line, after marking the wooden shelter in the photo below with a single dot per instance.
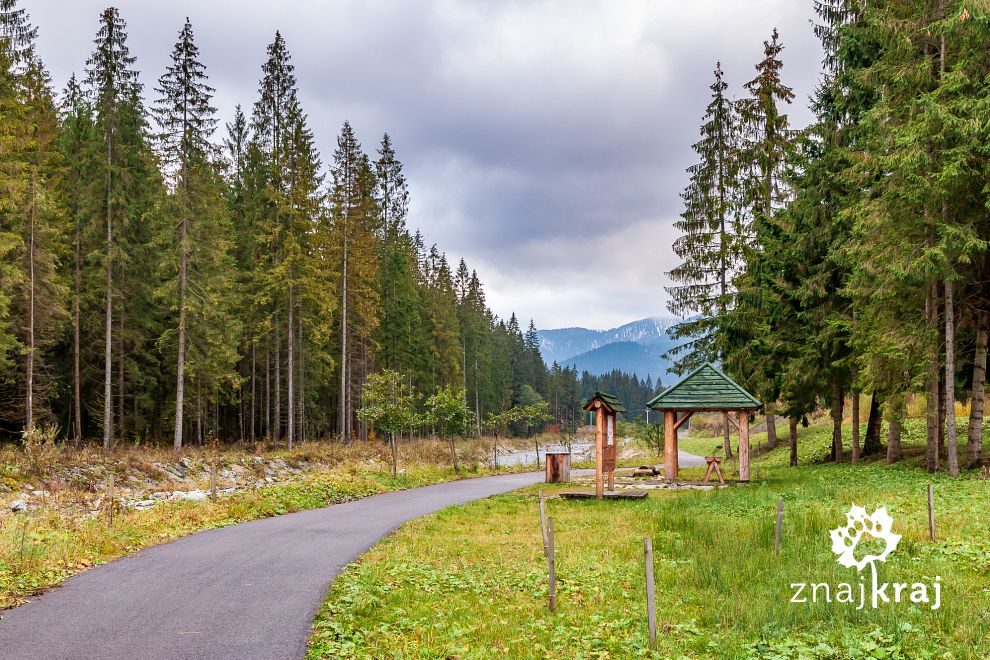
605 407
706 389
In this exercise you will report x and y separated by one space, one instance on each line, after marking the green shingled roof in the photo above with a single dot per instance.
612 402
705 388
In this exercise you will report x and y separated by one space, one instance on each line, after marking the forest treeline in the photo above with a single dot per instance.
163 280
850 256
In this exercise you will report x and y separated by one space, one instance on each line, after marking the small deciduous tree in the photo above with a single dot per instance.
533 416
388 405
448 414
496 423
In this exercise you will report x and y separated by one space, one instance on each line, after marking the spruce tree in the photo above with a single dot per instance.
400 337
767 137
75 147
41 212
712 240
31 209
446 349
271 126
357 225
201 288
311 300
11 272
766 149
115 89
17 38
392 192
476 339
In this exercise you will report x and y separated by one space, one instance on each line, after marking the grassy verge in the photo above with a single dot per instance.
470 581
63 534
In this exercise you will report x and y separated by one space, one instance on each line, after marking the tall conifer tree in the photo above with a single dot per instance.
271 127
196 206
712 240
75 146
114 85
767 148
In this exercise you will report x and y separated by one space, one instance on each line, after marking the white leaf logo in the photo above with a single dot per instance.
845 539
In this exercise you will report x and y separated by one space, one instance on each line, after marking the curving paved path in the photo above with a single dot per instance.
685 459
244 591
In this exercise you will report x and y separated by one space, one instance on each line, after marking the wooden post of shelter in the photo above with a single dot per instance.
743 445
706 389
605 407
670 444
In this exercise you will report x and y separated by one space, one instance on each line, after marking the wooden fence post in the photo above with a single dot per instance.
213 481
931 512
543 522
651 599
780 520
550 561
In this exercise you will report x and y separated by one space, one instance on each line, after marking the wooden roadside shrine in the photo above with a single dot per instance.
706 389
605 407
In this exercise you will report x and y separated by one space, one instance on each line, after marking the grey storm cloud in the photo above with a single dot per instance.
545 142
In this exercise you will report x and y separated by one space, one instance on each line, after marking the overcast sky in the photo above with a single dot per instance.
544 142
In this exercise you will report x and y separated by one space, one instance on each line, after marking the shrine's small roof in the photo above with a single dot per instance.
611 402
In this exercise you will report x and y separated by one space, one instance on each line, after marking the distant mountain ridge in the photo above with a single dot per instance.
635 347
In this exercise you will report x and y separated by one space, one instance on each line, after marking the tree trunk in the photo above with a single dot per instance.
277 393
941 413
268 391
108 343
254 387
726 445
950 374
180 368
772 440
344 436
836 419
932 388
290 363
855 424
975 446
873 426
120 378
793 424
362 374
76 371
240 416
302 381
895 413
29 412
395 457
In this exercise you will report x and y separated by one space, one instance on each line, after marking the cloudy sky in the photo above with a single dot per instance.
544 141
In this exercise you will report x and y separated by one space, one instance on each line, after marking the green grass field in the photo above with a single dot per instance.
471 581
